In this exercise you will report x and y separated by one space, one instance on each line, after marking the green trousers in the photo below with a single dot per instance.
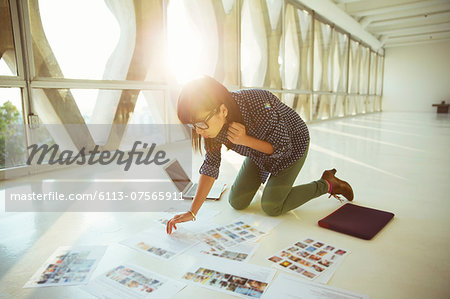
279 196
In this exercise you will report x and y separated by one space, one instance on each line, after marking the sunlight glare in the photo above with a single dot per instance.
187 49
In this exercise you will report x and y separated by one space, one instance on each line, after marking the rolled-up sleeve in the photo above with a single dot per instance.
211 164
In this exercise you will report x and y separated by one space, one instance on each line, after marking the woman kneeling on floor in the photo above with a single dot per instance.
255 124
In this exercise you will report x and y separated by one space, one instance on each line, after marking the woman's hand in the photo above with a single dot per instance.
237 134
171 224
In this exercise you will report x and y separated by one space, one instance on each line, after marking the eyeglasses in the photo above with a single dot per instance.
202 124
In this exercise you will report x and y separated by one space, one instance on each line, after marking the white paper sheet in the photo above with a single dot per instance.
130 281
310 259
241 252
67 266
286 286
230 277
158 243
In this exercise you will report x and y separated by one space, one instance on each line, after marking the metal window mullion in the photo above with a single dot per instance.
283 44
324 92
6 81
376 81
17 40
382 84
238 44
311 58
347 75
374 72
19 15
166 92
27 58
358 76
40 82
27 52
368 78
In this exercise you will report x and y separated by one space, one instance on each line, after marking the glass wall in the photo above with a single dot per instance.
126 61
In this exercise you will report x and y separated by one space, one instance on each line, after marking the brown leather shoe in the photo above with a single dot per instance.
337 186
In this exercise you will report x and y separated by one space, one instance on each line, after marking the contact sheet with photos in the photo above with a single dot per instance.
230 277
67 266
222 237
157 243
131 281
241 252
310 259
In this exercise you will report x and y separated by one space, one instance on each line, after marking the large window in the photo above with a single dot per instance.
96 62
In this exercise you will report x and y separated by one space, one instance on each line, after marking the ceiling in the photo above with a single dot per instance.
401 22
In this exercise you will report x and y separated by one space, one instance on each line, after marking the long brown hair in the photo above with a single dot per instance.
205 94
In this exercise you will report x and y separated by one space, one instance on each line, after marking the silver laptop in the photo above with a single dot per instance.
184 184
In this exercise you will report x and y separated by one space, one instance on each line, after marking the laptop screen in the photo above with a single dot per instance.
178 175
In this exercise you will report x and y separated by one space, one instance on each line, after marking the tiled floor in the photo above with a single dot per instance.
397 162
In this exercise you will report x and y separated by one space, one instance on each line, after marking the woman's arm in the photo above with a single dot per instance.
237 135
259 145
205 184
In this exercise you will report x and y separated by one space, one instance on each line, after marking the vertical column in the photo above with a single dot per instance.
227 66
144 62
306 50
55 105
272 13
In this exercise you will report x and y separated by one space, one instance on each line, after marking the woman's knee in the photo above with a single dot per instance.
273 199
237 202
271 208
241 194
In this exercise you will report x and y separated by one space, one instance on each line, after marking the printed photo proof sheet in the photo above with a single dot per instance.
131 281
222 237
67 266
310 259
158 243
287 286
246 228
230 277
203 222
241 252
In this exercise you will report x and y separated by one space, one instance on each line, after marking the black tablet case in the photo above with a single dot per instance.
356 221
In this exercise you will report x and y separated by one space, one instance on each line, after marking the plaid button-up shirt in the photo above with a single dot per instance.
265 118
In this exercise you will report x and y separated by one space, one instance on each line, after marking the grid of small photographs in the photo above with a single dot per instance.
228 254
133 280
227 282
71 267
229 235
308 258
155 250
